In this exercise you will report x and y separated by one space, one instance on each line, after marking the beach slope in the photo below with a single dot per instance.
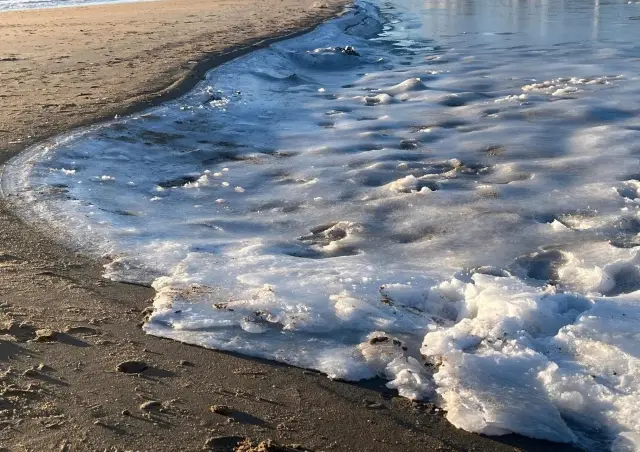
65 67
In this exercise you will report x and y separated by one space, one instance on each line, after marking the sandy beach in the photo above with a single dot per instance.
60 389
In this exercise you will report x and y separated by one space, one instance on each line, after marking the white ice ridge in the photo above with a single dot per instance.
535 360
367 201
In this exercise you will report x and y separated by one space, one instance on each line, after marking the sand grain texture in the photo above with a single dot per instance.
61 68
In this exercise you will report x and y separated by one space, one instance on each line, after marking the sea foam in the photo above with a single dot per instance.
458 216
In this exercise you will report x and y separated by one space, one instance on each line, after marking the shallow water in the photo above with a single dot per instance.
452 205
11 5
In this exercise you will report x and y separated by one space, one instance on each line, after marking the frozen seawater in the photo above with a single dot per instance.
444 195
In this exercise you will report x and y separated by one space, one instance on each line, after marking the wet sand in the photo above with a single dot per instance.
64 68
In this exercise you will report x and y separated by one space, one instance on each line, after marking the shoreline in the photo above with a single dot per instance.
63 392
144 101
82 5
188 71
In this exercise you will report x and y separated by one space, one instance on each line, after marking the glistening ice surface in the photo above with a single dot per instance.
451 204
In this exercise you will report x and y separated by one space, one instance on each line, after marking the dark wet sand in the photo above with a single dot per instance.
65 68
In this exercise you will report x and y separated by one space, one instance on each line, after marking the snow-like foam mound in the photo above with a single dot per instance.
550 351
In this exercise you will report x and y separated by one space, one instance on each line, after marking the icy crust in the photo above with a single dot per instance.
537 361
364 202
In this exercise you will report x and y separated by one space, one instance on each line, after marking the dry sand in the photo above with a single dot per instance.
68 67
60 68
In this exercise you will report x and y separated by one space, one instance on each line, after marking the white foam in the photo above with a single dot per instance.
10 5
366 202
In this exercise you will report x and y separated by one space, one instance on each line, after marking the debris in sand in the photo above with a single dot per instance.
54 424
223 443
373 405
151 405
45 335
265 446
14 391
30 373
283 427
239 444
132 367
83 330
221 409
